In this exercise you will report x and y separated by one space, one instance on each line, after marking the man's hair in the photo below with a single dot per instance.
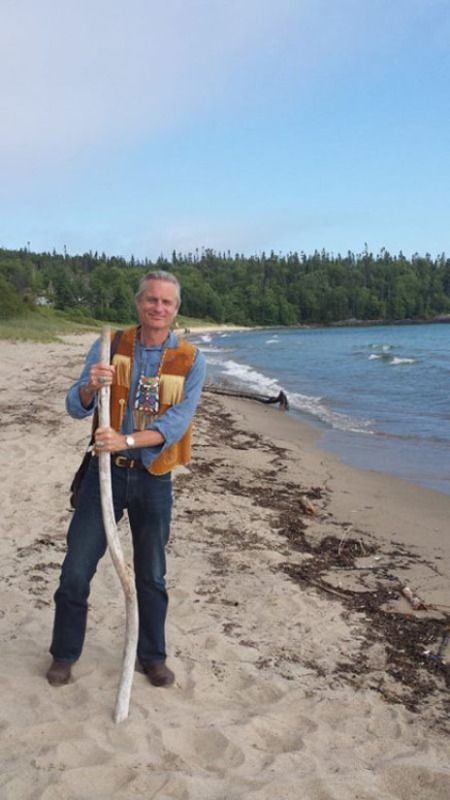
159 275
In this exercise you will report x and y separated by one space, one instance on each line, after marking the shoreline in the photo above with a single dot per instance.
300 667
350 323
381 454
394 509
216 328
344 453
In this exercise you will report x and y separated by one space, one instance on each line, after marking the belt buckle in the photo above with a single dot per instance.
121 461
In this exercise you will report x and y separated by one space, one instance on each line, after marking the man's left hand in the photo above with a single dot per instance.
107 440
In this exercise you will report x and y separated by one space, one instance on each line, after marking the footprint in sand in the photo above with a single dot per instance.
406 781
70 753
277 736
208 749
251 692
106 780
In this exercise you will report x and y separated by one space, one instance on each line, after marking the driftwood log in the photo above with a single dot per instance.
280 398
124 571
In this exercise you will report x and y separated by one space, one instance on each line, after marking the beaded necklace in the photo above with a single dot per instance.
146 400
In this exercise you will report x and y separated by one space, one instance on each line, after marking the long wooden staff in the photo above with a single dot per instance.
124 571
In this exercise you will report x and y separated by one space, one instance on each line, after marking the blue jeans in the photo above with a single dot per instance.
148 500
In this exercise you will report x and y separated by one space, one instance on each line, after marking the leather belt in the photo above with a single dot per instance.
127 463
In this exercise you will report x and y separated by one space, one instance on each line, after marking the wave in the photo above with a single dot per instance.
415 438
274 340
396 361
384 347
315 407
207 350
393 361
251 379
381 357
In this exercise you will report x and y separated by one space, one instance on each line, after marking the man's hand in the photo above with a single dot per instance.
107 440
100 375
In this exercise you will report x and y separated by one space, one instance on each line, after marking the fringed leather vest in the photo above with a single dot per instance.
176 363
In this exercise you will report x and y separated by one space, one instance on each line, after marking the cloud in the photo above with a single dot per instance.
249 232
140 125
97 75
74 75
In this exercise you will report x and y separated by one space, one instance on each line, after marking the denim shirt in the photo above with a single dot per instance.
173 423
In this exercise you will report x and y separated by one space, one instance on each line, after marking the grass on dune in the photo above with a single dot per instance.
43 325
48 325
192 322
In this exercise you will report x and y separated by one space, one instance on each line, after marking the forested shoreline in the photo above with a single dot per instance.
274 289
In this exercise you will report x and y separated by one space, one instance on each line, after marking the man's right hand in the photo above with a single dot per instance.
100 375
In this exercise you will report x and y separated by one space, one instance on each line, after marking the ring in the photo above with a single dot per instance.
102 379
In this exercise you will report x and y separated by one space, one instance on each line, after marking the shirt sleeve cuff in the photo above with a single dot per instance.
75 407
162 429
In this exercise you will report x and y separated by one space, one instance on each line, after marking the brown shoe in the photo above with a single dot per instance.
158 674
59 673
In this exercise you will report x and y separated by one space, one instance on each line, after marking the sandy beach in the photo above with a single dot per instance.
302 668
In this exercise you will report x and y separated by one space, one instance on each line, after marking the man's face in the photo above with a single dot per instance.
157 305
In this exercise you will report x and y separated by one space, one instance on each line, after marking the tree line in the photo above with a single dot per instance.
265 289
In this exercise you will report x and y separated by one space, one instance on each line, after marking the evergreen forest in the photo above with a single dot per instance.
267 289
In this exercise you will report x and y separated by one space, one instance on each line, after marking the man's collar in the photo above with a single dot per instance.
170 341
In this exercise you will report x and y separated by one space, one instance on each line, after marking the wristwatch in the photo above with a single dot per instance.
130 440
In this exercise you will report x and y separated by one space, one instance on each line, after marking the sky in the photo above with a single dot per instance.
143 127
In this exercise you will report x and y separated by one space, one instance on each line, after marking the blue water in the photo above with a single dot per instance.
380 395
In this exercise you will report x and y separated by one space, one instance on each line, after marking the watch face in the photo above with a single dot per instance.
130 441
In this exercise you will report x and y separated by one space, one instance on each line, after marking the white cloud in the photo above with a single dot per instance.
249 232
74 74
83 83
97 74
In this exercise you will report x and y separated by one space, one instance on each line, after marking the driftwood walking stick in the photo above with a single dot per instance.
125 572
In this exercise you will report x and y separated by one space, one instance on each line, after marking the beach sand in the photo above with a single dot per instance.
301 669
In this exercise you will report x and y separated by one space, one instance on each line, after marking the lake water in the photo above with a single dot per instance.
380 395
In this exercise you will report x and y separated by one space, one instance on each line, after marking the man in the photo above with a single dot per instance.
156 383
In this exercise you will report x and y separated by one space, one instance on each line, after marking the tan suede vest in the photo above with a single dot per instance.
177 361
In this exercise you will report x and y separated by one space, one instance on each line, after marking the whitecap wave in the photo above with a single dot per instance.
384 347
396 361
251 379
274 340
393 361
206 338
315 407
207 350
